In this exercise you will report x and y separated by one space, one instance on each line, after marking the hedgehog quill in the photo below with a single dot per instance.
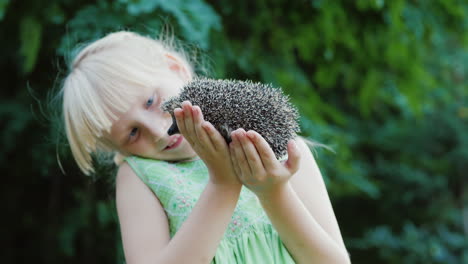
233 104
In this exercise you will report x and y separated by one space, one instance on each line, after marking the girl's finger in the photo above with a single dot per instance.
188 120
199 131
179 115
294 157
235 165
264 150
239 153
216 138
251 154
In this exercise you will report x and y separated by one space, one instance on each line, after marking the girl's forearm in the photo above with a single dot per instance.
305 239
199 236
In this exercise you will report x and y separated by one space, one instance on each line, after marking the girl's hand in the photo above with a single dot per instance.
256 165
207 142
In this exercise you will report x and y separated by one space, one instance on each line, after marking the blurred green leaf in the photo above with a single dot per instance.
30 36
3 8
55 14
370 88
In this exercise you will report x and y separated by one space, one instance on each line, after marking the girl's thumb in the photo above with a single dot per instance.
294 157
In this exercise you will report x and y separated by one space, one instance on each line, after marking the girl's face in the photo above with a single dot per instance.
142 131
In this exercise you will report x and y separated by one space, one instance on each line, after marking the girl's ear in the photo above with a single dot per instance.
178 67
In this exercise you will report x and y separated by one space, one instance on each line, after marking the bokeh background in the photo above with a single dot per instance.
383 83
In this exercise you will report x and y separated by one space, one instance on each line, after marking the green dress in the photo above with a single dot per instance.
249 238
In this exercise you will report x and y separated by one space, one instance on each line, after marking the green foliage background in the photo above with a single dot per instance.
384 83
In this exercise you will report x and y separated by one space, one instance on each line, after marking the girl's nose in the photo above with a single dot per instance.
157 127
156 130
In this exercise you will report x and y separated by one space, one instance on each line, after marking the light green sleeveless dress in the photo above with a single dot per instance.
249 238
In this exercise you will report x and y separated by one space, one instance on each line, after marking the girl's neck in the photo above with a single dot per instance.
186 160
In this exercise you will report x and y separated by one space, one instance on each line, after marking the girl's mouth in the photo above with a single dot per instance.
175 142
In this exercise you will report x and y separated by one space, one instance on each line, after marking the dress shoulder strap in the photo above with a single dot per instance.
142 167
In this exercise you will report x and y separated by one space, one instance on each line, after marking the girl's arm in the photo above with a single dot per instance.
145 229
298 207
310 188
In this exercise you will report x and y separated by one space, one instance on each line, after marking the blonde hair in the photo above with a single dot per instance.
103 81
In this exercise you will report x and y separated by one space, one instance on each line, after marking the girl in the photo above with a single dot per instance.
191 198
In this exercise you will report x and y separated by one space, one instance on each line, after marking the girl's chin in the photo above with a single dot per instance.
185 153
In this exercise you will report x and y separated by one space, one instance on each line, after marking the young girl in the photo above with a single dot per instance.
191 197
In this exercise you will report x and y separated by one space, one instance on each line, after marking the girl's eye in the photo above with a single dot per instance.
133 132
150 101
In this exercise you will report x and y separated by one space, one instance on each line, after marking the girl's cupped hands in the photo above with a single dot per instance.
256 165
207 142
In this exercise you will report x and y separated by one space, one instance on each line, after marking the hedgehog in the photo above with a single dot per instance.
233 104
